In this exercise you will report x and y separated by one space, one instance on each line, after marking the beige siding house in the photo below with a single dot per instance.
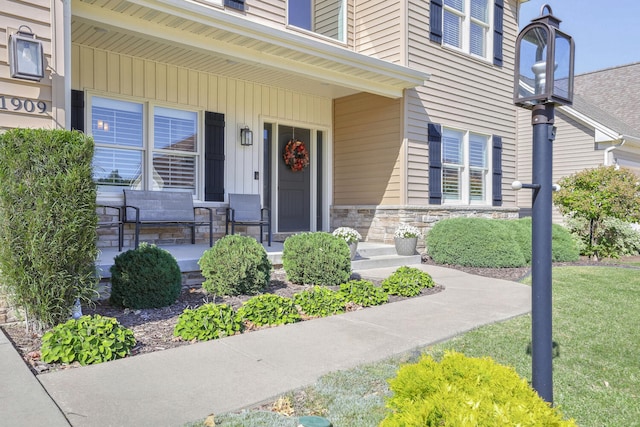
601 128
404 107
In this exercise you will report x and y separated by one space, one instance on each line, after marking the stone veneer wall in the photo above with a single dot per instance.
378 223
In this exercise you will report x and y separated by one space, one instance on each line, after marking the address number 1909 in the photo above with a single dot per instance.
17 104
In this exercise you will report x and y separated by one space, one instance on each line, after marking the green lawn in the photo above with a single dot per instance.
596 374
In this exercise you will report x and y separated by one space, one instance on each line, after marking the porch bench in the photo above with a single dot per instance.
111 223
163 208
245 209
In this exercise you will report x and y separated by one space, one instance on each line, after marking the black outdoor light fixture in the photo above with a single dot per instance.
543 79
246 136
26 57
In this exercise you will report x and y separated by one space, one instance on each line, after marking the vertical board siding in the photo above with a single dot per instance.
242 102
463 92
370 124
38 15
379 30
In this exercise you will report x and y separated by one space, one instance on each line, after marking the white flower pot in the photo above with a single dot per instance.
406 246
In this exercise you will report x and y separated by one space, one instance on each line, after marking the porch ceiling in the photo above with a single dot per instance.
204 38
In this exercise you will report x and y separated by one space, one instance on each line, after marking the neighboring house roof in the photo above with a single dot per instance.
614 90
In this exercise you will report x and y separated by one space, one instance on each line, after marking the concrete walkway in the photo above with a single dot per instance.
172 387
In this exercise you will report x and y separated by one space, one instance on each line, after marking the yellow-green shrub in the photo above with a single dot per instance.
464 391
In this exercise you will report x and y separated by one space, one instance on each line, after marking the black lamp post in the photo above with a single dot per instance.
543 79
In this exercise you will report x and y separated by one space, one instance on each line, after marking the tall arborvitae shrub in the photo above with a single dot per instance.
47 222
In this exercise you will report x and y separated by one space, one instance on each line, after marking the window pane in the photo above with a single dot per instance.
115 168
456 4
173 172
477 40
116 122
452 147
477 151
476 185
479 10
175 129
452 29
451 183
326 17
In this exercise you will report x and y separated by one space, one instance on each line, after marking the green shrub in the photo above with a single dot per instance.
316 259
478 242
235 265
319 301
207 322
461 391
47 222
269 309
88 340
613 238
407 282
147 277
363 292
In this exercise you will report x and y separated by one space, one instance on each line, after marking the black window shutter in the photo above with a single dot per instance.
497 171
435 164
77 110
235 4
435 21
498 13
213 157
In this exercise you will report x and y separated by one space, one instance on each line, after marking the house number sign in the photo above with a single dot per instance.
13 103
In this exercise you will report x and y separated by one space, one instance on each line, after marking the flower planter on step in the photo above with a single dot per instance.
406 246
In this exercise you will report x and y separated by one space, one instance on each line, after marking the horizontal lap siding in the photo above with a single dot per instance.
462 92
367 127
37 14
379 29
573 150
242 102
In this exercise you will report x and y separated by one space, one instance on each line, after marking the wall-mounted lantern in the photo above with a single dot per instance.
26 56
246 136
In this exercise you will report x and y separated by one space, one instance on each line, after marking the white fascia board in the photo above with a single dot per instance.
602 132
211 16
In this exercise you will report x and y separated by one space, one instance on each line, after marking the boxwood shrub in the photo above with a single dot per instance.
461 391
235 265
317 258
147 277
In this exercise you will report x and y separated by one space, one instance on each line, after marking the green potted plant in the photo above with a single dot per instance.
406 239
350 236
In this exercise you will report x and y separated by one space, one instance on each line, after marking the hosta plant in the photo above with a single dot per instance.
207 322
363 292
269 309
320 301
88 340
407 282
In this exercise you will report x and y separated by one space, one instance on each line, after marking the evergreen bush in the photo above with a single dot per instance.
235 265
563 245
207 322
147 277
461 391
316 258
47 222
474 242
88 340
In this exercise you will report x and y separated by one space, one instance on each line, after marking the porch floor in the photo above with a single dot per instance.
369 255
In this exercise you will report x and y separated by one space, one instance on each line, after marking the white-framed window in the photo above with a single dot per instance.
324 17
465 167
144 146
466 25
